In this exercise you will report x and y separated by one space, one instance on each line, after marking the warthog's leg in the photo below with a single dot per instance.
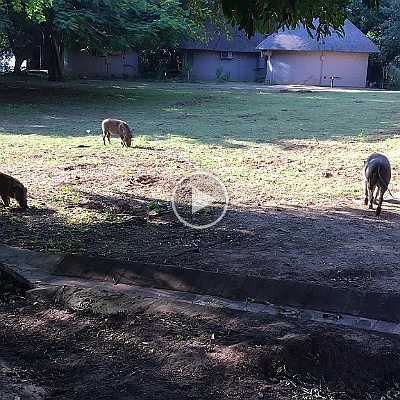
365 183
122 136
378 190
379 207
6 200
370 196
107 135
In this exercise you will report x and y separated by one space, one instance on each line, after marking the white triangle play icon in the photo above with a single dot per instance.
202 190
200 200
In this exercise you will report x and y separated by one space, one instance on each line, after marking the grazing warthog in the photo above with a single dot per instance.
376 178
116 126
11 188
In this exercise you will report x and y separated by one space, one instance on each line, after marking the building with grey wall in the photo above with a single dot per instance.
294 57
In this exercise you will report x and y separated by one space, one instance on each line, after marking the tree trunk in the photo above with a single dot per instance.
21 50
18 63
54 56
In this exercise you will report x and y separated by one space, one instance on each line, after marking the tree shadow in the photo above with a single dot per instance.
160 350
222 118
344 247
347 247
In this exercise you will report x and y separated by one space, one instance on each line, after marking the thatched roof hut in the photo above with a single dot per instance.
354 41
294 57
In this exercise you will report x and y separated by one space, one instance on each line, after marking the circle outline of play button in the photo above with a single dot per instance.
201 199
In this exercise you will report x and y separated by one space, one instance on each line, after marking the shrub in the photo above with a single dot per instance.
221 76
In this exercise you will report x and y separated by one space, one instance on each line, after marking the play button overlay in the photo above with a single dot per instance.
200 200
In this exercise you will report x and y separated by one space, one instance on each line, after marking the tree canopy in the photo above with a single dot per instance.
103 26
383 28
266 16
251 15
114 25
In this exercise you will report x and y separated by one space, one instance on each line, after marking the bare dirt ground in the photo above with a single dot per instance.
48 351
159 350
177 352
341 244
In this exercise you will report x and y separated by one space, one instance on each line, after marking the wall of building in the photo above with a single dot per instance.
82 64
316 68
242 67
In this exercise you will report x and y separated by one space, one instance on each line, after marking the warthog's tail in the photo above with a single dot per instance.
387 186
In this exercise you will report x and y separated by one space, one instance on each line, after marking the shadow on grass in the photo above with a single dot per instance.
344 247
228 118
392 201
151 148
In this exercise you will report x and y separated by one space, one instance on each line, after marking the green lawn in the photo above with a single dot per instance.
302 147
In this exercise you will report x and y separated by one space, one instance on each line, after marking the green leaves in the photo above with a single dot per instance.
262 15
34 9
267 16
104 25
114 25
383 28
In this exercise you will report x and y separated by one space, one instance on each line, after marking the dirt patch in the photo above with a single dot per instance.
248 115
162 350
200 100
344 247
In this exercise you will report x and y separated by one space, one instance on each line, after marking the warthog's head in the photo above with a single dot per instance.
21 195
128 137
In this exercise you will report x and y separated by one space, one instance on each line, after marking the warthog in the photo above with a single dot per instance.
376 178
116 126
11 188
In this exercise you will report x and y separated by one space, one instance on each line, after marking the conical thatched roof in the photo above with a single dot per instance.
354 41
237 42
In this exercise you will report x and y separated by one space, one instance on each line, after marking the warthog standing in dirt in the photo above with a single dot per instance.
376 178
116 126
11 188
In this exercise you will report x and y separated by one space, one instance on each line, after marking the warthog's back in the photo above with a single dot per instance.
12 188
113 125
376 176
377 170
